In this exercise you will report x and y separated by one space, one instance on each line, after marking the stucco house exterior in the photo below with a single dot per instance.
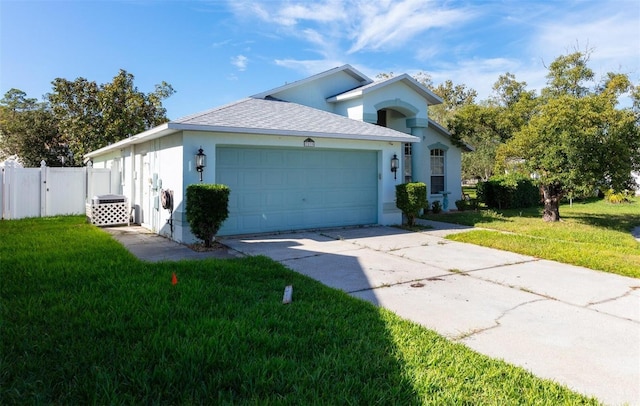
310 154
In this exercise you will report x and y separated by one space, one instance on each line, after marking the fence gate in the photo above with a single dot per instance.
62 187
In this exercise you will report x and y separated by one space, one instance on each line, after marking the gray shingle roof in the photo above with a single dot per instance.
264 116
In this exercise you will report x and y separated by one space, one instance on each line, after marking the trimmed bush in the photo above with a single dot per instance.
436 207
411 198
207 209
511 191
461 205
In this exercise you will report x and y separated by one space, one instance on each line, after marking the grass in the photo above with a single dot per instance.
84 322
593 234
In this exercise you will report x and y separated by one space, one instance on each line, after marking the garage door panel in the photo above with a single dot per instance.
294 159
296 178
249 177
313 160
287 189
229 159
274 178
248 158
250 201
274 200
273 158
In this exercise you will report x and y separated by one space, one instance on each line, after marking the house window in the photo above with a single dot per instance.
437 171
407 163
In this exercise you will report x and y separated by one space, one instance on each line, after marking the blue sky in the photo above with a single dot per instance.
216 52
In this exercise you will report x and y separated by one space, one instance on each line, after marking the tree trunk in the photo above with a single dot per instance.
552 195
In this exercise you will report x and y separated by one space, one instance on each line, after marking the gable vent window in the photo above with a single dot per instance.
437 171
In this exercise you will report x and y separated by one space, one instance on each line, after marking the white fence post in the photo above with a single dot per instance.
43 188
2 192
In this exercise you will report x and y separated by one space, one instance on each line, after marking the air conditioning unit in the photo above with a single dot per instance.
108 210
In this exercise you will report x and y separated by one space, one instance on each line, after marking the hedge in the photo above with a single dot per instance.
511 191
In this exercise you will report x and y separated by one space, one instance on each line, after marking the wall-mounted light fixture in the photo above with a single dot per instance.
395 163
201 162
309 142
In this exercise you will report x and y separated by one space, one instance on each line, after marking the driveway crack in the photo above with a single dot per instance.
611 299
473 332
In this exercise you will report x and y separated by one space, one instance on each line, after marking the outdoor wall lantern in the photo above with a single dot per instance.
395 162
309 143
201 162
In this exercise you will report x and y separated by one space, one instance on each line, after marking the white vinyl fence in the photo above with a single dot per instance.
45 191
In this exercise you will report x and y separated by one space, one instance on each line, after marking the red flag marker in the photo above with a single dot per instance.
174 279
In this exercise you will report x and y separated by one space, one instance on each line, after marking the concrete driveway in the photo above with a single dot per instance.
573 325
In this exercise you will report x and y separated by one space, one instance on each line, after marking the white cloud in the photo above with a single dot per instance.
612 31
290 14
309 67
221 43
240 62
470 43
391 24
366 25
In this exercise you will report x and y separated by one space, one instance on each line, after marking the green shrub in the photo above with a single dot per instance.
464 204
207 209
436 207
510 191
618 197
473 203
410 198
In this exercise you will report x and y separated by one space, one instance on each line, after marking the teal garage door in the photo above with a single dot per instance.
291 189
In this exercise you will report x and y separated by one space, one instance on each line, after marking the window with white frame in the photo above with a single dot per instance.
407 163
437 171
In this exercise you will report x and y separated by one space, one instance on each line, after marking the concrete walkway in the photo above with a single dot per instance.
151 247
573 325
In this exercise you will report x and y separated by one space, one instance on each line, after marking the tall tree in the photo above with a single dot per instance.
569 75
76 107
576 140
487 125
454 97
92 116
29 130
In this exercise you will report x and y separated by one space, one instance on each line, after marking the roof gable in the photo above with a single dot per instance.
348 69
427 94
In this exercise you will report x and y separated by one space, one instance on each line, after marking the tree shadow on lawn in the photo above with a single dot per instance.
616 222
621 223
476 218
221 335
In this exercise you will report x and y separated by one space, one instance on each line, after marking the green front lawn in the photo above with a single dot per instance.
84 322
594 234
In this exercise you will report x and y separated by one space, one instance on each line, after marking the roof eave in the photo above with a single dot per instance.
151 134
